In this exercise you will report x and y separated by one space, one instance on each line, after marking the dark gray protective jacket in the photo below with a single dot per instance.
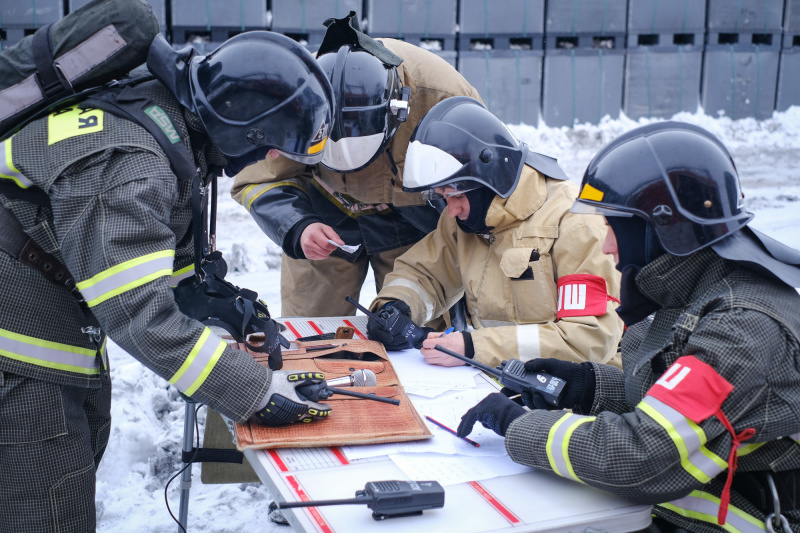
121 223
746 327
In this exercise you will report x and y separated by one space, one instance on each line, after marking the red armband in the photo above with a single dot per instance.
582 295
697 391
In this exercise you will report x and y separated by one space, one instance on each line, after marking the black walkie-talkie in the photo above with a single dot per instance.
512 375
389 499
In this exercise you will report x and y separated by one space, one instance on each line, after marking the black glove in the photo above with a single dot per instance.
495 412
395 330
285 405
578 393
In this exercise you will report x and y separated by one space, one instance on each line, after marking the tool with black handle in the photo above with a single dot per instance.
513 376
392 320
313 387
388 499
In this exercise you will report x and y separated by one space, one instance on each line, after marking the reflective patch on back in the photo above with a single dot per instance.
71 122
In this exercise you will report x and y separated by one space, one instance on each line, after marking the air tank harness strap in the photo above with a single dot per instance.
15 242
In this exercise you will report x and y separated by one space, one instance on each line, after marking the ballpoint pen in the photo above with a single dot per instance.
451 329
453 432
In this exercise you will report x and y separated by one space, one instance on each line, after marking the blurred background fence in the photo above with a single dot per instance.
558 61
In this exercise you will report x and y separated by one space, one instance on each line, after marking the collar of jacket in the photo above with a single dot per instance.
527 198
672 281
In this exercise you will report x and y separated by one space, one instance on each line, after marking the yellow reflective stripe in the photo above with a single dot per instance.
126 276
48 354
182 274
252 192
558 443
795 437
7 168
748 448
689 439
199 363
704 507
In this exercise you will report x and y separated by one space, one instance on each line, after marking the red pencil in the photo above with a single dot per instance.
453 432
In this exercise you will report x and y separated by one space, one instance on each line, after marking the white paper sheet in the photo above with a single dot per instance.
349 248
453 469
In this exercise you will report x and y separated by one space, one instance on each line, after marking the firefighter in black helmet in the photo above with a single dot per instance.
101 230
355 195
507 242
704 414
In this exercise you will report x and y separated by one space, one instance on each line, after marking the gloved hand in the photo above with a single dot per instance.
495 412
578 393
395 330
285 404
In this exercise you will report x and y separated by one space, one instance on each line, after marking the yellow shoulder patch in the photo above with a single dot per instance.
71 122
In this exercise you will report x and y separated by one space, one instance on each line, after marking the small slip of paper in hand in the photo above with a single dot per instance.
346 247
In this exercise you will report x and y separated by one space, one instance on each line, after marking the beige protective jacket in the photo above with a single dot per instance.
377 183
513 317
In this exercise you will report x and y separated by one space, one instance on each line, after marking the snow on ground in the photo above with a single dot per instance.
144 449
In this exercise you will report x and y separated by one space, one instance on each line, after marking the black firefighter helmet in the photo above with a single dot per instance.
258 91
682 181
461 145
370 104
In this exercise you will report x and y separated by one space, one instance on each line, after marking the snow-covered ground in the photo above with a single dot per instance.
144 450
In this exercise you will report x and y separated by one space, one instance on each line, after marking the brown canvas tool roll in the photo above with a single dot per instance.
353 420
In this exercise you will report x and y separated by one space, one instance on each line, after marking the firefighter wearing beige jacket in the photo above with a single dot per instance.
536 281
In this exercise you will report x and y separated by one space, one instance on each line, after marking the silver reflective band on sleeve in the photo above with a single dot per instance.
427 165
704 507
558 443
528 342
48 354
689 440
182 274
126 276
7 168
426 300
199 363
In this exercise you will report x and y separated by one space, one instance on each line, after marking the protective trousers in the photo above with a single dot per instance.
317 288
52 438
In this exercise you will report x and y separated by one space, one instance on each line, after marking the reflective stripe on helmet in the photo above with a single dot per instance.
126 276
558 444
427 167
689 440
704 507
199 363
7 168
48 354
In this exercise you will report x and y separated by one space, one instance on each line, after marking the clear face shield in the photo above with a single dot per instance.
448 191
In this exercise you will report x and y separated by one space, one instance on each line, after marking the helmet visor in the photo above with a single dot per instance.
448 191
351 153
427 167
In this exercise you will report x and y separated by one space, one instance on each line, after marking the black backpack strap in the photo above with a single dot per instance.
130 103
51 82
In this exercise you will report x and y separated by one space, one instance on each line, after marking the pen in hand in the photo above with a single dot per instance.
453 432
451 329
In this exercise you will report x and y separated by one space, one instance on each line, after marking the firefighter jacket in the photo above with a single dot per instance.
120 221
513 277
367 207
722 349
